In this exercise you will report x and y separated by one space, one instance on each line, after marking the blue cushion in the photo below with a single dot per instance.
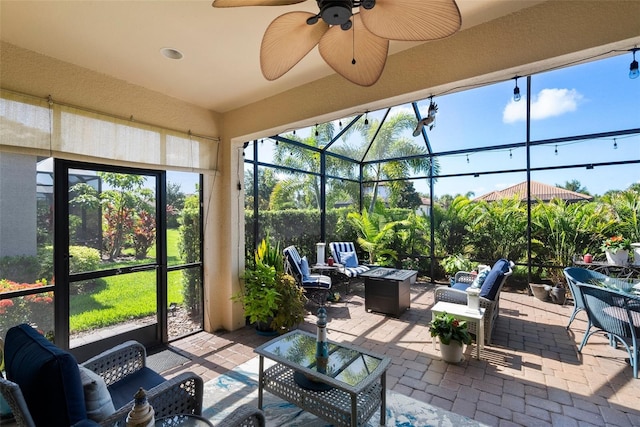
304 268
48 377
492 282
122 391
349 259
460 286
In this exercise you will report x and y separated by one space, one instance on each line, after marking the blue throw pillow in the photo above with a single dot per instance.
304 268
349 259
480 278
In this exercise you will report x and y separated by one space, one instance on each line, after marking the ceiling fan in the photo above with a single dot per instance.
356 44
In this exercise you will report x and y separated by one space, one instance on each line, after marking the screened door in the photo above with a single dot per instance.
110 227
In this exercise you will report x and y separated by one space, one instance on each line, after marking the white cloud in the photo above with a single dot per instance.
547 103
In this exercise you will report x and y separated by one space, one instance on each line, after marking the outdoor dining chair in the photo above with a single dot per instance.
615 313
574 276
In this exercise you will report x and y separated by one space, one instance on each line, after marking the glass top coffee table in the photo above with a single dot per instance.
348 394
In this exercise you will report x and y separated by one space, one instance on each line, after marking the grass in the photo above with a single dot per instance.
121 298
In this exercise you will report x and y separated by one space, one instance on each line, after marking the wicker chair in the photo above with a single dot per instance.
179 395
574 276
490 302
615 313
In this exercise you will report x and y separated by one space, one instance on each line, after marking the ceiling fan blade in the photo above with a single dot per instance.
286 41
412 20
240 3
369 51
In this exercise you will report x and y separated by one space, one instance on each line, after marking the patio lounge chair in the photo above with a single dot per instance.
489 293
317 285
615 313
346 258
46 386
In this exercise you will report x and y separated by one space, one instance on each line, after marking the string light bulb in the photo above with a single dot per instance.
467 158
510 154
556 150
366 119
615 144
317 130
516 92
633 67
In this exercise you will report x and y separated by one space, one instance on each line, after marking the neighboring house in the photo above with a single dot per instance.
539 191
425 206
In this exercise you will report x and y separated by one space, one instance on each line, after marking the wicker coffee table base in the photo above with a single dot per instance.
336 406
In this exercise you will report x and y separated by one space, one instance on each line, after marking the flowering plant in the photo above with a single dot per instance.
615 244
448 328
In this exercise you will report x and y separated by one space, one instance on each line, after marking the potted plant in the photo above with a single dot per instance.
616 249
452 333
271 298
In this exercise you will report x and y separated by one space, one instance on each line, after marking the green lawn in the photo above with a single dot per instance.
120 298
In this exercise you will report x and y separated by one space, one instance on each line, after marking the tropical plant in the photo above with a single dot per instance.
447 328
454 263
271 255
450 222
269 295
121 203
373 232
560 230
497 229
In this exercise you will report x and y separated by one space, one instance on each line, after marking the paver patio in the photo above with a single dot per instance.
530 375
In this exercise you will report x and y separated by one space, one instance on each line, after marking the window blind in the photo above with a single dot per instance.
35 126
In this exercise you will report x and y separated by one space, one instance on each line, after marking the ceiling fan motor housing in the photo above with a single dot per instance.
335 12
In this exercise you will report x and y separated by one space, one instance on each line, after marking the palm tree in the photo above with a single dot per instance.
389 141
304 159
373 232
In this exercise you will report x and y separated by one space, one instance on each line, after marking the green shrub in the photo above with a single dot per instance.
82 259
22 268
189 247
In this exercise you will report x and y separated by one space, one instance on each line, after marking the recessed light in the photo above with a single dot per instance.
171 53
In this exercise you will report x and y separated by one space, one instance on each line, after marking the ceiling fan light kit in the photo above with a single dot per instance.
356 44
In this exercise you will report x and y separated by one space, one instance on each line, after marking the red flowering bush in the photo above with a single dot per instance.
35 309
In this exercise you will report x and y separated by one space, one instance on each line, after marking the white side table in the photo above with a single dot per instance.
462 312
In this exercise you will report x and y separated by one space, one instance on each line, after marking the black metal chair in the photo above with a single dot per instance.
317 286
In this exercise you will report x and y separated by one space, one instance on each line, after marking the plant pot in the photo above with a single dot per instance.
620 257
265 329
636 253
558 295
540 291
451 353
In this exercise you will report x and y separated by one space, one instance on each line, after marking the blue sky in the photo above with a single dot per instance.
583 99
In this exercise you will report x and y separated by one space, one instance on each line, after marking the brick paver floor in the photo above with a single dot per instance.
530 375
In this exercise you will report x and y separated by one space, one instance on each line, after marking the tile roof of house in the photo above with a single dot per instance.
539 191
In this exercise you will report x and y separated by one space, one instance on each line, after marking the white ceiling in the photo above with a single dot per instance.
220 70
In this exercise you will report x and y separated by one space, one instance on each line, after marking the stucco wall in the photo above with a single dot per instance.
17 205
